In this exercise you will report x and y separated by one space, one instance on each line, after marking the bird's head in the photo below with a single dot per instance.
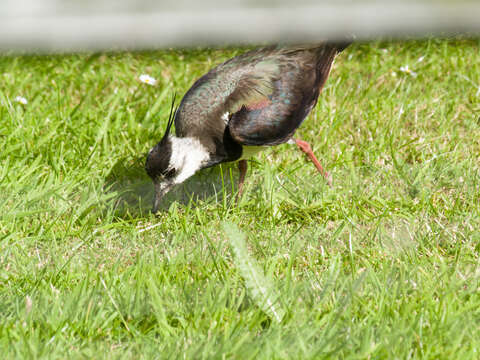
172 161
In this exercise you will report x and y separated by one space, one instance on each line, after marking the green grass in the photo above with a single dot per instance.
385 264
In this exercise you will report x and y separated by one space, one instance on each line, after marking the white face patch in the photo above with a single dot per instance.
188 156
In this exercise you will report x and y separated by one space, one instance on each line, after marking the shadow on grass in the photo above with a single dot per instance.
133 190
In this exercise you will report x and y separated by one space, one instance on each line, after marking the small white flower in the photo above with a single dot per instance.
21 100
147 79
421 58
405 69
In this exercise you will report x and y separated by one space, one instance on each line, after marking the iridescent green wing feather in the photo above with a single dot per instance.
273 99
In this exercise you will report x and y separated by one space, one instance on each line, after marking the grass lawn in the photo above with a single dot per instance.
383 265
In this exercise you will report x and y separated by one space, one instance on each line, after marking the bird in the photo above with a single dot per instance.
254 100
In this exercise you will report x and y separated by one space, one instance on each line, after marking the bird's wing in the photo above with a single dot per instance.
273 98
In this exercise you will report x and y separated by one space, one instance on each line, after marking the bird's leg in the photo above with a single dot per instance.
242 167
307 149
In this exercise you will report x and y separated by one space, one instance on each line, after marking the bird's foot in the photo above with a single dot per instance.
307 149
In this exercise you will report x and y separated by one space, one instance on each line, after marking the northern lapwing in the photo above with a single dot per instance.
251 101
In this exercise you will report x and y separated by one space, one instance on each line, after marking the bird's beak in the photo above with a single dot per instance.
160 190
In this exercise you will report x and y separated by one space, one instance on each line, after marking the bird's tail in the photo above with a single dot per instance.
340 46
324 48
325 55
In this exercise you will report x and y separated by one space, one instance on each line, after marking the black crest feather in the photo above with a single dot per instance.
171 118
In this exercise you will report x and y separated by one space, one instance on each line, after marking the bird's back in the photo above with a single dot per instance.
203 104
291 76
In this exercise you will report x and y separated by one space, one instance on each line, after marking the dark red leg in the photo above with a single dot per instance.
307 149
242 167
